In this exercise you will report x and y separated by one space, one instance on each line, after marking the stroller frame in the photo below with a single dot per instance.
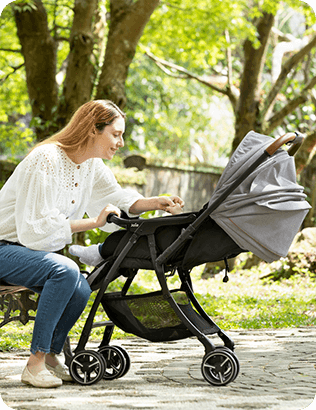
220 365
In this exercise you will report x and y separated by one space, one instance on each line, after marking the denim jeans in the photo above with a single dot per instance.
64 292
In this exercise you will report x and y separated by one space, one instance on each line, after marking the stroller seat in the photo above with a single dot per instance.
210 243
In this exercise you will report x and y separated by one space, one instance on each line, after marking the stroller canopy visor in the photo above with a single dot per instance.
264 213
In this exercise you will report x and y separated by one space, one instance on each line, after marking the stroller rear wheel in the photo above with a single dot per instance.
87 367
127 358
220 367
116 362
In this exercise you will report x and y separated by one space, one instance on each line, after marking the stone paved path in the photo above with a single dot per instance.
278 372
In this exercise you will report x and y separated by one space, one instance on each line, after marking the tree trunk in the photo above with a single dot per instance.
306 153
250 87
80 70
128 20
308 179
39 52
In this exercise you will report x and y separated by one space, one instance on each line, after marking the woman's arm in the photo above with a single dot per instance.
82 225
172 204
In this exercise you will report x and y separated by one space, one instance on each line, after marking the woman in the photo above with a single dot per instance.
42 204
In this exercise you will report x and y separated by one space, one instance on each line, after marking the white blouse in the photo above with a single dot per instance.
47 190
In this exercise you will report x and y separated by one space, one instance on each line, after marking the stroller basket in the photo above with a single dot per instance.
151 317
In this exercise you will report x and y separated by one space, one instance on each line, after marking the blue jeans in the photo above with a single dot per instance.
64 292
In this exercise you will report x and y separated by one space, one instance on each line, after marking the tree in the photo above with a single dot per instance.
243 72
128 20
227 46
41 34
39 51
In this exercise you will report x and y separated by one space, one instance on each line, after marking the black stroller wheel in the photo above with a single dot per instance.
127 358
234 357
219 367
87 367
116 363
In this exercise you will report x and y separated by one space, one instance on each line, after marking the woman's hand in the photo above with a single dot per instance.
174 210
172 204
102 218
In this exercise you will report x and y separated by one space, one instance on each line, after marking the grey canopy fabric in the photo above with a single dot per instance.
265 212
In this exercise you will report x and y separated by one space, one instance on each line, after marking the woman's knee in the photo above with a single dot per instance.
63 268
83 287
82 292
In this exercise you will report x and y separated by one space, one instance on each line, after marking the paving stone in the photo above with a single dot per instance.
277 372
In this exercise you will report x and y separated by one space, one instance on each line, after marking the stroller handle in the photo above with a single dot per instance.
113 218
294 138
144 226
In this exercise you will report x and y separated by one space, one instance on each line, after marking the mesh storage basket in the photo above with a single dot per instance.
150 316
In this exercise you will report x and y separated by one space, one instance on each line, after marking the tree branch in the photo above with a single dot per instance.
177 7
59 39
287 67
229 60
185 73
306 153
282 36
169 72
12 72
288 108
9 50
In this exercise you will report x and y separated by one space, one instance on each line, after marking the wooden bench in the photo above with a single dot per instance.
16 302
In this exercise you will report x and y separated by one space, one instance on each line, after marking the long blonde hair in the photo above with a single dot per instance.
89 119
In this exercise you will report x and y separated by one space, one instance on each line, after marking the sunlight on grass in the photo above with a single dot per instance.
245 302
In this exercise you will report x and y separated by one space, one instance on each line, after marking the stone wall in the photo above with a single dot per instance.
195 188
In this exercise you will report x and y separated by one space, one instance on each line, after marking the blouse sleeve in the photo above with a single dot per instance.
39 223
106 190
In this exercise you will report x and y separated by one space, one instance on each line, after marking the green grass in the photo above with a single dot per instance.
245 302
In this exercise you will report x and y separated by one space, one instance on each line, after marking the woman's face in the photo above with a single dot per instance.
110 139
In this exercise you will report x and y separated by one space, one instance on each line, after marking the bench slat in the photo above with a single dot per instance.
10 289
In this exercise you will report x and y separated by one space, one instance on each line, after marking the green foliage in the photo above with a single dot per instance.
15 336
15 136
193 34
129 176
245 302
15 139
26 5
167 117
174 118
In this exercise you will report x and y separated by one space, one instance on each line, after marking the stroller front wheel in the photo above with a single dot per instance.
219 367
234 357
87 367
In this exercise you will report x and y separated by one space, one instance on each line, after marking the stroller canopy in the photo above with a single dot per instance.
264 213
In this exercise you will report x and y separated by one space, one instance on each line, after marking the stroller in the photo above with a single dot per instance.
257 206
